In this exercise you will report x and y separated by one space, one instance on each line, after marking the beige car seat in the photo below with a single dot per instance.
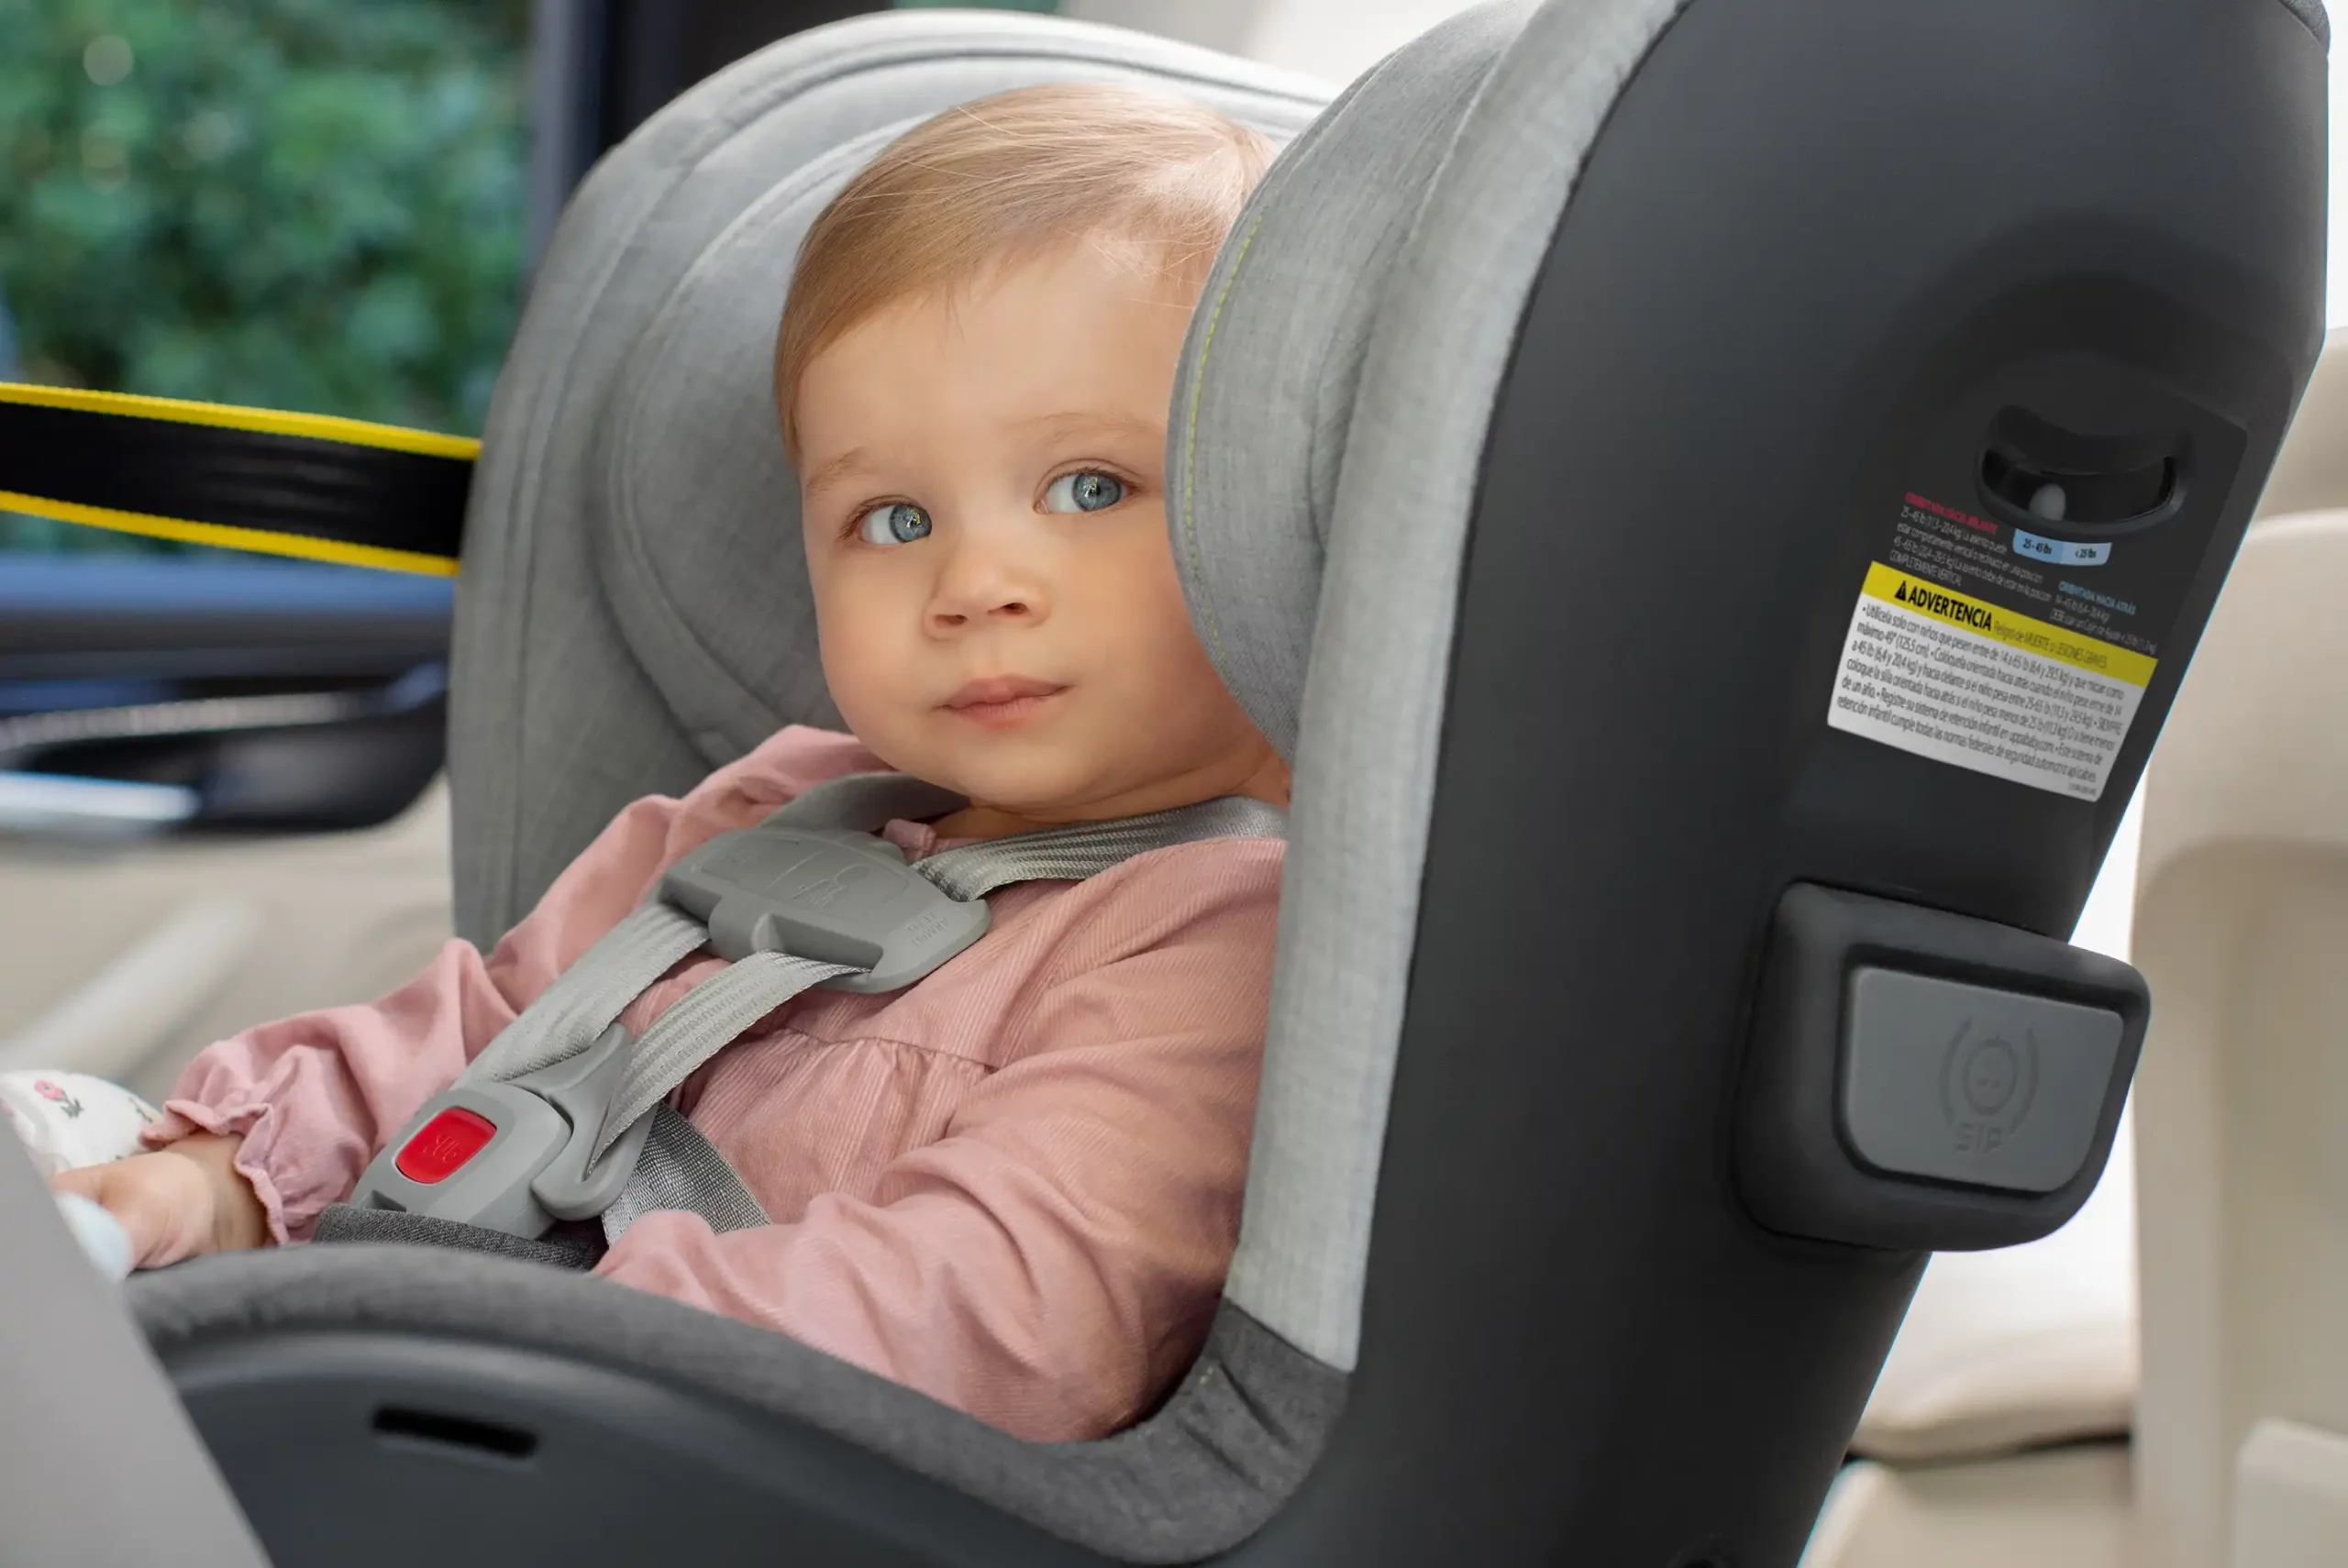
2242 1428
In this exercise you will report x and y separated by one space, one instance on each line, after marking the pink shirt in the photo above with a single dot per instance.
1014 1186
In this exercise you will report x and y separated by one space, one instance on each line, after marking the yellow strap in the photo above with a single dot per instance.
221 536
226 416
347 433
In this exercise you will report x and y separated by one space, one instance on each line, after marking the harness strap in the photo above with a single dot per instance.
546 1051
718 1012
1084 850
585 998
707 1020
574 1244
681 1169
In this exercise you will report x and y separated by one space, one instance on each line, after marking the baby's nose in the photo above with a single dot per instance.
985 583
947 615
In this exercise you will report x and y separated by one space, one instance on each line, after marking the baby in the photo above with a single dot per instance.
1014 1186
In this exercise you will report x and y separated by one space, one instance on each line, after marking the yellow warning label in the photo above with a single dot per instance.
2048 641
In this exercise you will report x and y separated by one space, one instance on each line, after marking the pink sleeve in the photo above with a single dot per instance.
1052 1262
315 1096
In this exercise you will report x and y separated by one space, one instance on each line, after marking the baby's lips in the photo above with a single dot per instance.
1001 689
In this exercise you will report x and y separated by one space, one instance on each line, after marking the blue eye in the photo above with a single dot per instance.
1087 489
893 523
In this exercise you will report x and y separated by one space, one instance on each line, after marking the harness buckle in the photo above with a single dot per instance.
513 1156
838 898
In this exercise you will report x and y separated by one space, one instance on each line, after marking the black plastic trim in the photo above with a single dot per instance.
1794 1164
497 1456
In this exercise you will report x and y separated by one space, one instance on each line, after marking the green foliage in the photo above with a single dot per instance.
313 204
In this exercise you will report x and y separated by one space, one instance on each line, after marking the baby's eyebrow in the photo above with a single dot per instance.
1092 421
833 470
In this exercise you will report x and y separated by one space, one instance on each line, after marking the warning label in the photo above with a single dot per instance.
1955 677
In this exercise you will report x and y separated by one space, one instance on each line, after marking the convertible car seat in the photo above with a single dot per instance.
1626 458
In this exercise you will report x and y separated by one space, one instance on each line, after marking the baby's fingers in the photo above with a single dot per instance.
159 1200
84 1181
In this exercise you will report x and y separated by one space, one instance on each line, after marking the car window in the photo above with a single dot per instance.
304 204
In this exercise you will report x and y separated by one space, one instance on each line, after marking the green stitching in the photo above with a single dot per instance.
1190 434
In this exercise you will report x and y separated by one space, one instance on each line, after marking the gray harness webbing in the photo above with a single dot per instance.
841 897
681 1169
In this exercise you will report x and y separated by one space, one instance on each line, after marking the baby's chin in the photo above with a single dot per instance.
1035 777
1037 785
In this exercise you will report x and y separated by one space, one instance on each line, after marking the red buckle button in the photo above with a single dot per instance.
442 1145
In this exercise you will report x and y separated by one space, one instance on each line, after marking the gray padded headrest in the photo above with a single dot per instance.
1271 370
633 609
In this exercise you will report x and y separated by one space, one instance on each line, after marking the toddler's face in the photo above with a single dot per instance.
983 494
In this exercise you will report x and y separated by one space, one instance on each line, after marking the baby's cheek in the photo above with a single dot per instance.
1157 610
1179 688
1177 655
856 671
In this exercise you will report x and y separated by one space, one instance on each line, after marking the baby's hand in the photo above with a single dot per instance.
179 1202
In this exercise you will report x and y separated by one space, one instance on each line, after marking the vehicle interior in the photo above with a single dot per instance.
1736 276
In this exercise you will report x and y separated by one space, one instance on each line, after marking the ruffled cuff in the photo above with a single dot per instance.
256 1125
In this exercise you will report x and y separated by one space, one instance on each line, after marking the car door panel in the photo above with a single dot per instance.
124 963
112 1023
285 696
217 799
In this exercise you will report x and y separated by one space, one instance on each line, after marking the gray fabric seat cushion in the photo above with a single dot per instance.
1200 1476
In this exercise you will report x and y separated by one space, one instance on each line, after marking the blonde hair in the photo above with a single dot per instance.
1009 177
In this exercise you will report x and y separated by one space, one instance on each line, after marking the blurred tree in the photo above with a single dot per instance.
313 204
